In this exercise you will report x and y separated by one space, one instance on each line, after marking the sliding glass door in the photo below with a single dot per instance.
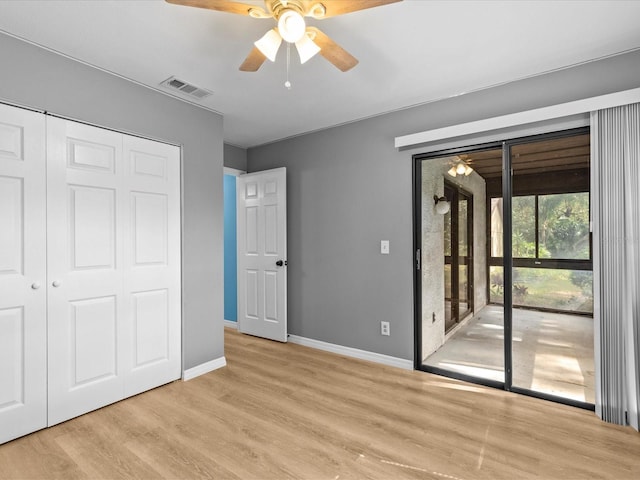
459 335
504 270
552 268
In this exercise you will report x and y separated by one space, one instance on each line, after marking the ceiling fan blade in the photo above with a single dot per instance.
253 62
334 8
222 6
333 52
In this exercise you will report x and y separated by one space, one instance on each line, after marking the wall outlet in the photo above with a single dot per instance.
384 328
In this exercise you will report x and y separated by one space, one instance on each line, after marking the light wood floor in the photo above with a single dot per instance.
285 411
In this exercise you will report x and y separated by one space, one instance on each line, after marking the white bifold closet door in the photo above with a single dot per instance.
113 267
90 305
23 297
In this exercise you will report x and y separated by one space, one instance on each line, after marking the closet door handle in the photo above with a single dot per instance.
56 283
35 285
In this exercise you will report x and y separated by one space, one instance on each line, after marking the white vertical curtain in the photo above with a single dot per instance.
615 207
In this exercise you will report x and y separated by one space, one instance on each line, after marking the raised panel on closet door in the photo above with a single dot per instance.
152 264
86 232
23 320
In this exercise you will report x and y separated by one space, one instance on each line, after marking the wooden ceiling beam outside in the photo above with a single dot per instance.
555 155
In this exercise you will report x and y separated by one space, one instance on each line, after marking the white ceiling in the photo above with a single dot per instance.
410 53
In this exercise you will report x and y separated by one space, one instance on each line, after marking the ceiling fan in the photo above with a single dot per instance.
291 27
460 165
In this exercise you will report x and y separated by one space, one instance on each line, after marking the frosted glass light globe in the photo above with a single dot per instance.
443 207
291 26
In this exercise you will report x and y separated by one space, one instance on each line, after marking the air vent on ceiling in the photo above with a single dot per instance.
172 83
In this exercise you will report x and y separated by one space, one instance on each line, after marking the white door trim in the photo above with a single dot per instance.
233 171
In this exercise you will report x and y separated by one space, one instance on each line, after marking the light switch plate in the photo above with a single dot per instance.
384 247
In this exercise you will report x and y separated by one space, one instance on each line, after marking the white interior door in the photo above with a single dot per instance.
152 264
262 254
86 223
23 318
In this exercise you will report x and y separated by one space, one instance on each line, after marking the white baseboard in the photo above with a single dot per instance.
204 368
231 324
353 352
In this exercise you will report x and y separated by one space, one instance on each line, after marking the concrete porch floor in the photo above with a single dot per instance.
552 353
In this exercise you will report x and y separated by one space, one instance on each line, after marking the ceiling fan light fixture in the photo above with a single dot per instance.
306 48
291 26
460 168
269 44
467 170
452 171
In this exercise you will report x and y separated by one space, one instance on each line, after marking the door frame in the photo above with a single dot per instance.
236 173
457 192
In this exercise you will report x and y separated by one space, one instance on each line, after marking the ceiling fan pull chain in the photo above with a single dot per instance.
288 83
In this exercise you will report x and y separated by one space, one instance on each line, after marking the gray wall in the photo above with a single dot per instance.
235 157
34 77
349 188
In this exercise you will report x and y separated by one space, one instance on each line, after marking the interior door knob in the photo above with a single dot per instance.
56 283
281 263
35 285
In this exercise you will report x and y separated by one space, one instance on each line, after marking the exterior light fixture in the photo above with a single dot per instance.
442 205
